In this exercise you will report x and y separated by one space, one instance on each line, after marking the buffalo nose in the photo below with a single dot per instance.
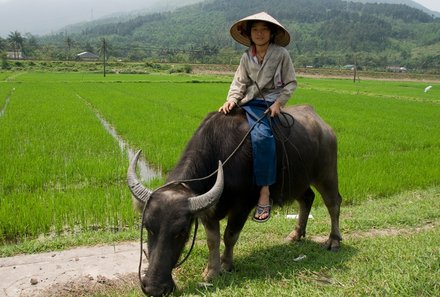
158 291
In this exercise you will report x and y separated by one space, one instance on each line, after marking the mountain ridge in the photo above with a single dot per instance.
167 7
325 33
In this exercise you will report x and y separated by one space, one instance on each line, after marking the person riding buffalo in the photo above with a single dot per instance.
264 81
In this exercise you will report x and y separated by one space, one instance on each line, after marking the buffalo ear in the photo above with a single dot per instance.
139 191
204 201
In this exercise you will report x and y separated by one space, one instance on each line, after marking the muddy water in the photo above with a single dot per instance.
146 172
4 107
2 112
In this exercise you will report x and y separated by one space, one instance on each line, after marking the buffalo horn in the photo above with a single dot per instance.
141 193
208 199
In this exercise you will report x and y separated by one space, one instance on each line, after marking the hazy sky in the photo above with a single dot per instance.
431 4
45 16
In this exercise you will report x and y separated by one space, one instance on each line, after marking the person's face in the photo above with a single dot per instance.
260 33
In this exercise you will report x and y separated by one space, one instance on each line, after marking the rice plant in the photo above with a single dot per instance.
60 171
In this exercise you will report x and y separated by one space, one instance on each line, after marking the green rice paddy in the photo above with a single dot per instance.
60 171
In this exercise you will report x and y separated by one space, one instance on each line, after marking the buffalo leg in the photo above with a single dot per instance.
332 200
212 229
333 242
232 232
305 204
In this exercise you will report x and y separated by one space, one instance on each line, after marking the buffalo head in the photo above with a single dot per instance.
168 213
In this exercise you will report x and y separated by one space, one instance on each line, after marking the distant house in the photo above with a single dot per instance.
348 67
87 56
396 69
15 55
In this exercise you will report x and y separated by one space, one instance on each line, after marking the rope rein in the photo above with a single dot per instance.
196 224
195 219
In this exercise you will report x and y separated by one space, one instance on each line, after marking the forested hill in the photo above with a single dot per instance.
324 32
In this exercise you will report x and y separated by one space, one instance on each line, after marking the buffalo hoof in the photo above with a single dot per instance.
227 266
333 244
294 236
210 274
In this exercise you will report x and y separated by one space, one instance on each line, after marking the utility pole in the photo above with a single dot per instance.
104 53
355 70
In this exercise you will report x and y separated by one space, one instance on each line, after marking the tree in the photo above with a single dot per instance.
89 48
2 44
4 60
30 45
16 42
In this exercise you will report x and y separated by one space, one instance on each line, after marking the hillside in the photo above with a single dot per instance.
325 33
121 17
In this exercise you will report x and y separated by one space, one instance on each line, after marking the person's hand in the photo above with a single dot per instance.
227 107
274 109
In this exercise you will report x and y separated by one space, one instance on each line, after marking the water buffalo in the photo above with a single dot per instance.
307 153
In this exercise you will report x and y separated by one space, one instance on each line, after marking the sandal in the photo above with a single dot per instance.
261 210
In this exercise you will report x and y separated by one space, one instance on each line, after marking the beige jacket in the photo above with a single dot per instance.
275 77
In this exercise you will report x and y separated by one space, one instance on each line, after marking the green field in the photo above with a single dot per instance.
62 176
61 170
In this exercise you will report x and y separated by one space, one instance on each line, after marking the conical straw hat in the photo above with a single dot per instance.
239 29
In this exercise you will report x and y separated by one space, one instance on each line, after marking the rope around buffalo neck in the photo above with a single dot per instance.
196 227
192 180
196 220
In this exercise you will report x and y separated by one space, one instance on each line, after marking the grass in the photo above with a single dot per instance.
5 93
54 147
403 90
62 180
386 145
59 168
164 113
401 261
271 270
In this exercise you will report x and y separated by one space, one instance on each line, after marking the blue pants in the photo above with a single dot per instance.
263 143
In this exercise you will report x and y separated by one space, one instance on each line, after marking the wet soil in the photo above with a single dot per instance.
73 272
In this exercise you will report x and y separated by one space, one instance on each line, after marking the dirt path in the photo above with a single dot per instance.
69 272
85 270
